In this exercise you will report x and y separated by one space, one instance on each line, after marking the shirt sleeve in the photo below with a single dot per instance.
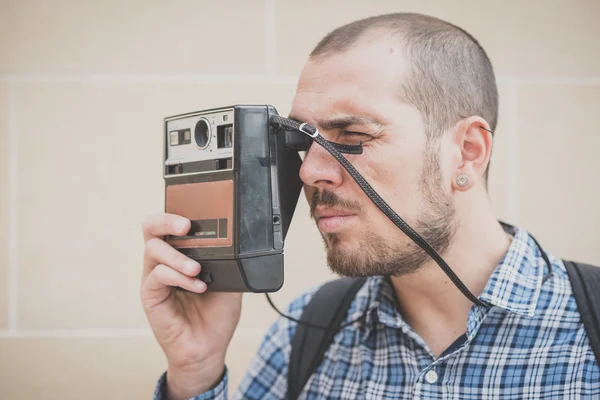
266 377
219 392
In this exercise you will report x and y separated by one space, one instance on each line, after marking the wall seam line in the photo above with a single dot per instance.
268 78
13 195
513 162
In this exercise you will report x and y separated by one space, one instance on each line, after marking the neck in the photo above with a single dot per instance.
428 299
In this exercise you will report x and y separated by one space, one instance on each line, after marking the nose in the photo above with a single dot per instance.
319 169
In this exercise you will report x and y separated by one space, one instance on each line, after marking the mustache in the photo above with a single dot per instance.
329 199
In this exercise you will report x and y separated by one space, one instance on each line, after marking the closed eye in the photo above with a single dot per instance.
356 134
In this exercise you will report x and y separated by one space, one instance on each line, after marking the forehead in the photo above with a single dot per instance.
362 80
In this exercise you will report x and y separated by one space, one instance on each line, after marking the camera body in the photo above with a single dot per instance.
231 173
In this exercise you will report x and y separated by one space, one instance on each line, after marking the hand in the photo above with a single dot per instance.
193 328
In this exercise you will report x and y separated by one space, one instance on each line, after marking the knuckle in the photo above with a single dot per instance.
180 259
153 246
164 224
147 251
142 292
167 220
156 222
163 273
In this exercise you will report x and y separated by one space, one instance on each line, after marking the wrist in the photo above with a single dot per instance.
183 384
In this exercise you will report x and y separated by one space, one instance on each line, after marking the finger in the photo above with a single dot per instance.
163 224
163 276
160 252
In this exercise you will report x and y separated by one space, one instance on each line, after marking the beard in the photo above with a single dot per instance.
380 255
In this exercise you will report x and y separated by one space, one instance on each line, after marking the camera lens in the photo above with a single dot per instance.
202 133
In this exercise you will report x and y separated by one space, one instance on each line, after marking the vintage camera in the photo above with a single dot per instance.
235 175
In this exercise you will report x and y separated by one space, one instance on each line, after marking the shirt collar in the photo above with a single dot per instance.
515 284
383 307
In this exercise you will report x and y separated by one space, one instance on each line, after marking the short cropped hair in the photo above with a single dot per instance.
450 75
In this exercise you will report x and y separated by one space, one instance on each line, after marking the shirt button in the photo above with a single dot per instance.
431 376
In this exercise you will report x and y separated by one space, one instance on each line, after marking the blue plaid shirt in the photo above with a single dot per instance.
531 344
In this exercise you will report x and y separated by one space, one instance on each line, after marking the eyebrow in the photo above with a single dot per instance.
343 122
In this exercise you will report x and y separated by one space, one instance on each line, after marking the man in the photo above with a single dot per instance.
420 95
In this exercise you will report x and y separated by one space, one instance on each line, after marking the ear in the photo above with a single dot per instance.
474 138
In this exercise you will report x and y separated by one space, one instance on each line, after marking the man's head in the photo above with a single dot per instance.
420 94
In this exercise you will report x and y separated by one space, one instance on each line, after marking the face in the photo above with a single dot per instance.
351 98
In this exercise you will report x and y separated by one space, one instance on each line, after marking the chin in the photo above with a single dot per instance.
370 255
340 241
345 256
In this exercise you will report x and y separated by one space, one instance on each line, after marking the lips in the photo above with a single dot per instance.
325 212
330 220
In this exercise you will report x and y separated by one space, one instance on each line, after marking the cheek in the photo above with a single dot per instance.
389 173
396 178
450 161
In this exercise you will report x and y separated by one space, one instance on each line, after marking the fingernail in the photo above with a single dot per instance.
190 265
180 225
199 284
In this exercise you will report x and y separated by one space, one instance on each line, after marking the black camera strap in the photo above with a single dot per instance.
332 148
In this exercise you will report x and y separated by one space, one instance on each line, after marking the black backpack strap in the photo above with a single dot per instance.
327 308
585 281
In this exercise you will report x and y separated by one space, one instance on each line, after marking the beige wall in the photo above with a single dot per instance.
84 87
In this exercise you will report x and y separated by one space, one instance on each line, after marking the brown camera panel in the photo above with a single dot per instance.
202 201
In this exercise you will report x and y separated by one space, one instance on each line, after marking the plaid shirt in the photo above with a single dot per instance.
531 344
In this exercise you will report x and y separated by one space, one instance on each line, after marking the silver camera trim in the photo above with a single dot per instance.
209 133
210 117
